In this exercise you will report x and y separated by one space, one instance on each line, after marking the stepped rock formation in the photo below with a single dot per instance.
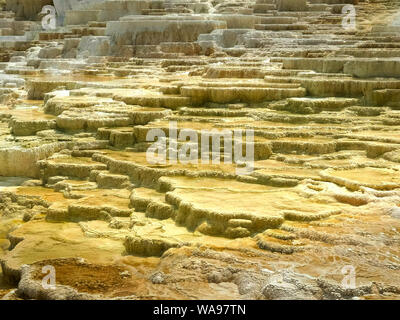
319 204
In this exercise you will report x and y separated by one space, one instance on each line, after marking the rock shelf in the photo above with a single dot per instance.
77 189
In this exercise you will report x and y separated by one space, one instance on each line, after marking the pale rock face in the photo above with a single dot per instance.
225 38
94 46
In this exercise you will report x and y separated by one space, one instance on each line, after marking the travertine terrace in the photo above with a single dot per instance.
78 193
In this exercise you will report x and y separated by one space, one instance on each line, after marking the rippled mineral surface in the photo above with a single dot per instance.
84 83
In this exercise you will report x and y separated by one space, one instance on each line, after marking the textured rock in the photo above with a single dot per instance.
27 9
292 5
